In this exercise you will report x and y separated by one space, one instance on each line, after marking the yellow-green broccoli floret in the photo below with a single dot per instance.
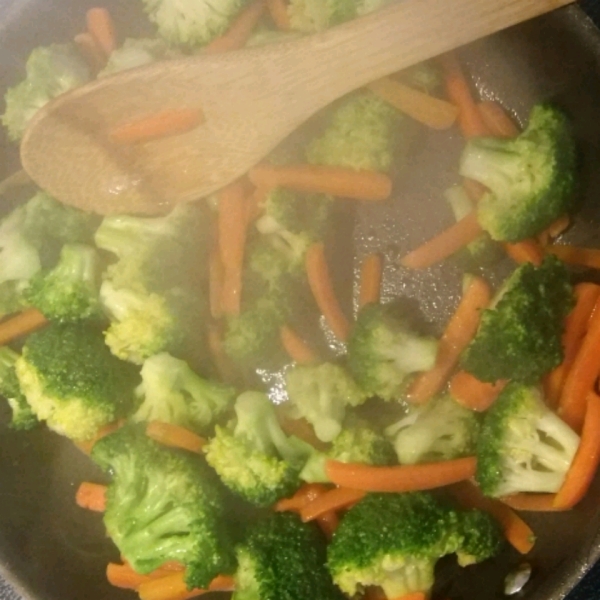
22 415
135 52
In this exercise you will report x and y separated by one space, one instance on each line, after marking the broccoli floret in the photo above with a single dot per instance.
361 135
523 446
194 23
72 381
22 415
281 557
163 505
135 53
394 541
384 350
50 71
440 430
519 337
530 178
171 392
69 292
253 456
321 394
482 538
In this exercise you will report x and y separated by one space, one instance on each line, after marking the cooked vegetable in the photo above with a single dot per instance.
298 350
371 274
135 52
175 436
23 417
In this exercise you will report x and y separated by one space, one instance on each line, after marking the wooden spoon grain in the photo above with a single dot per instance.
251 100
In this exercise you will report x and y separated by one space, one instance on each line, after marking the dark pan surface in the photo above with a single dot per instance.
52 550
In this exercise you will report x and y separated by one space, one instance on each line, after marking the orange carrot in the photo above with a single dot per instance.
525 251
414 596
370 279
554 230
531 502
586 460
428 110
215 282
471 393
458 90
173 587
574 255
474 189
402 478
304 496
92 53
87 445
168 122
497 120
328 523
21 324
123 576
91 496
459 331
331 501
240 31
323 292
298 350
582 376
175 436
337 181
516 531
218 354
102 28
279 14
300 428
444 244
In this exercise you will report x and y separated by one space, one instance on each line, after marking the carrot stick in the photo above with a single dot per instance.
525 251
444 244
370 279
414 596
218 355
91 496
586 460
331 501
304 496
497 120
240 31
299 351
471 393
459 331
215 282
328 523
21 324
337 181
279 14
474 189
458 90
574 255
173 587
323 292
582 376
123 576
428 110
531 502
87 445
516 531
175 436
92 53
166 123
102 28
402 478
554 230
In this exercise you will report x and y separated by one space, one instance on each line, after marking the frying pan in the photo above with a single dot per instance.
52 550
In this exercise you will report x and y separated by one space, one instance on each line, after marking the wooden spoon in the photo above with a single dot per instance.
251 99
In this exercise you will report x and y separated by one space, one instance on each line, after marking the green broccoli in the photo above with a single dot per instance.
172 393
481 538
523 446
519 337
163 505
72 381
253 456
440 430
394 541
22 415
530 178
283 558
362 134
321 394
135 53
50 71
384 349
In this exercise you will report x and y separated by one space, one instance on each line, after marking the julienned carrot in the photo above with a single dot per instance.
323 292
371 273
554 230
306 494
21 324
474 189
584 465
471 393
331 501
337 181
428 110
90 50
328 523
444 244
102 28
413 596
173 587
582 376
525 251
279 14
459 331
175 436
241 29
168 122
497 120
102 432
298 350
574 255
123 576
516 531
91 496
215 282
403 478
531 502
458 91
